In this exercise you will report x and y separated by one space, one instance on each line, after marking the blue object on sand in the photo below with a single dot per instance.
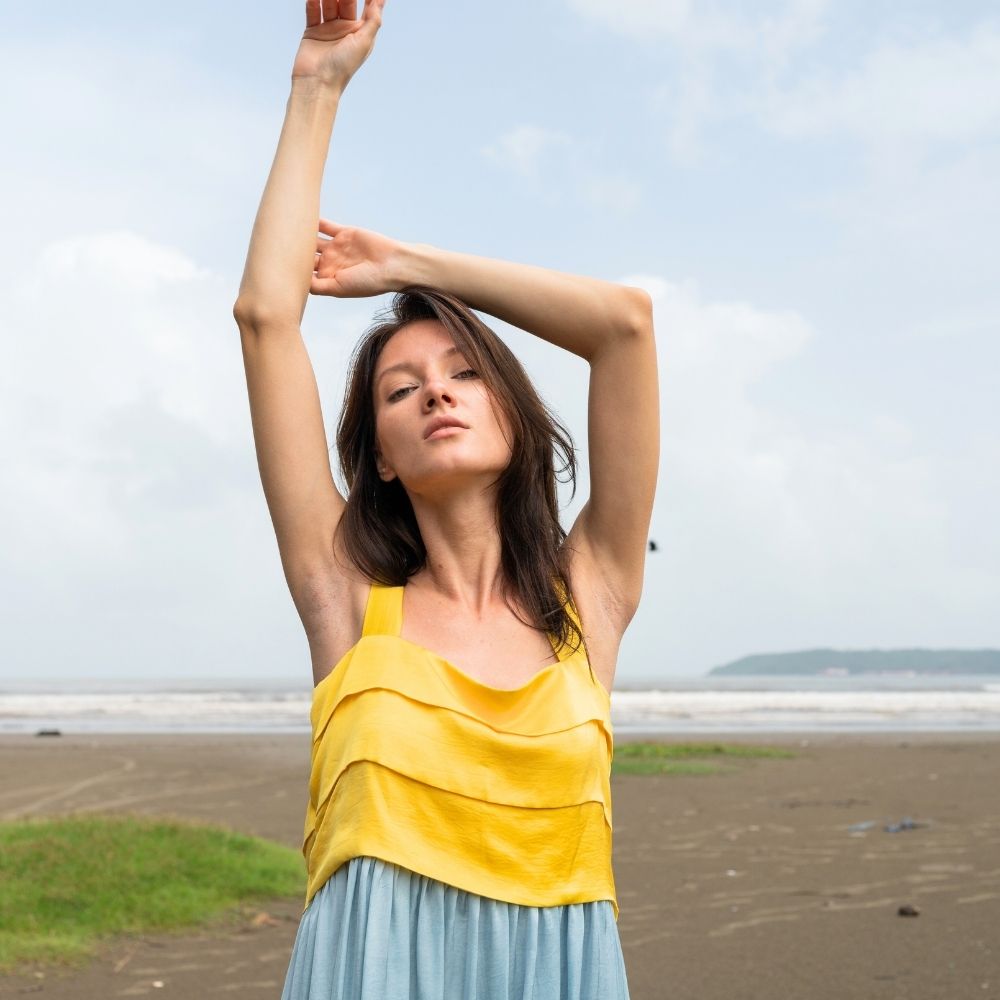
904 824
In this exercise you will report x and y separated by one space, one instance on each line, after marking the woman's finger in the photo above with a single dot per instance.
329 10
312 13
373 11
371 21
348 10
322 286
329 227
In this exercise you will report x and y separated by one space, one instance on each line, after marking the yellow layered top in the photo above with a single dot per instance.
500 792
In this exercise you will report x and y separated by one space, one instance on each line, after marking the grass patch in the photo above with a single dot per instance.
66 882
684 758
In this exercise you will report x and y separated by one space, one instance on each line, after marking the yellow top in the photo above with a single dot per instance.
504 793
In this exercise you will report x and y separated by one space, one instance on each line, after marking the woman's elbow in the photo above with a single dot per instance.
639 309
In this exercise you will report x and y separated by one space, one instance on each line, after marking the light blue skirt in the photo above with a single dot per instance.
375 931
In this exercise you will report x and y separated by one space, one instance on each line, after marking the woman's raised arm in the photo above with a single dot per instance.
292 450
607 324
279 265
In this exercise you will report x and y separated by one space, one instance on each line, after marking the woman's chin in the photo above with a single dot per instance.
441 483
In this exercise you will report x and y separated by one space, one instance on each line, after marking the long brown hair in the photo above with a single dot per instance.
380 531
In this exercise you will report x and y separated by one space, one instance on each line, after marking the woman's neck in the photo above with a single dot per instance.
462 540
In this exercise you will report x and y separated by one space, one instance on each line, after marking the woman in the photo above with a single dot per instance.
458 828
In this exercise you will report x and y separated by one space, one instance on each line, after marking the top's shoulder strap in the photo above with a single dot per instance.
384 612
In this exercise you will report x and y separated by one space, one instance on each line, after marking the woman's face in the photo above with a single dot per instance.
420 378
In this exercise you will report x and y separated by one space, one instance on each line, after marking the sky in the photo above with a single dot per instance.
807 189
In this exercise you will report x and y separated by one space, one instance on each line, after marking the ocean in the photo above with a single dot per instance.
672 706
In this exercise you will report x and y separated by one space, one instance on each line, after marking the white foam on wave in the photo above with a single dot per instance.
197 711
771 709
687 709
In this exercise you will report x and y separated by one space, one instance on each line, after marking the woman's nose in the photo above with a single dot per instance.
435 391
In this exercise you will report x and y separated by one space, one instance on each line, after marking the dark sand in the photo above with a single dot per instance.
741 885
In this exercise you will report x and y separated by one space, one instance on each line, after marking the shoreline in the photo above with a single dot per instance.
778 736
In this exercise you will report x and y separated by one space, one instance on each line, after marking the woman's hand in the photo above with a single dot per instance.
332 51
355 263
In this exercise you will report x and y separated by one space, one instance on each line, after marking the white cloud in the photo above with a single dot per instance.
942 89
131 474
126 336
697 38
532 152
685 104
557 160
617 193
89 150
772 30
723 64
120 259
774 533
729 343
522 148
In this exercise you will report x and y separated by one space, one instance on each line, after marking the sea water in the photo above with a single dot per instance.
671 705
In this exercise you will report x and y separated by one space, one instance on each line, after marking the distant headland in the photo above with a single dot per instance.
842 662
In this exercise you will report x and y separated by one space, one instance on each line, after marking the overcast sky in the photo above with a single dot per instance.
809 192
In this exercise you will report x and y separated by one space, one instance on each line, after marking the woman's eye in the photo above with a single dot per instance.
398 393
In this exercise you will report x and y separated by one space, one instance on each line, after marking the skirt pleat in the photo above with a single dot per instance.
376 931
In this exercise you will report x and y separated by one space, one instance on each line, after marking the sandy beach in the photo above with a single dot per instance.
747 884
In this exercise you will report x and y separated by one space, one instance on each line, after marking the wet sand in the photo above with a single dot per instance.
747 884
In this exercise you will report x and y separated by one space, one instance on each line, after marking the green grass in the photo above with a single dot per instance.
67 882
683 758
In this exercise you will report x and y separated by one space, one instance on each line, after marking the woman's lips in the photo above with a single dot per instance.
445 431
440 423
